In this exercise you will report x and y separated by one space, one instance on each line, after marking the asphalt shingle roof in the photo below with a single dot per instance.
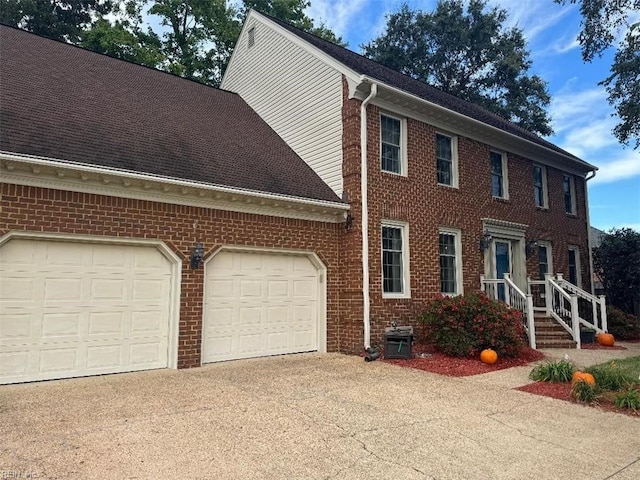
377 71
66 103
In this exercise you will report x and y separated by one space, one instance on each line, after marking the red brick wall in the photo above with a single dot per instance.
426 206
56 211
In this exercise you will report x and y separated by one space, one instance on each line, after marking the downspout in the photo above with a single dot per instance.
586 199
366 307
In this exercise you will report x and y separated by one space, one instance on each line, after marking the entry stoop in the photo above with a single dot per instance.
550 334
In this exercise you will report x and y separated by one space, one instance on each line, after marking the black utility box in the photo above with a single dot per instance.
398 342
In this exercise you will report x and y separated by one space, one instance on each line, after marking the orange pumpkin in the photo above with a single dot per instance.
606 339
583 377
489 356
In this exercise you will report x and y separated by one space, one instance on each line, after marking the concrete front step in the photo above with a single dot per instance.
555 344
550 334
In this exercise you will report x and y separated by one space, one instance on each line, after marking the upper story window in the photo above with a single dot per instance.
392 142
395 260
450 262
568 187
447 160
499 183
540 186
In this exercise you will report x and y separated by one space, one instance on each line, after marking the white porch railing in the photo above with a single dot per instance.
513 296
557 298
592 310
564 308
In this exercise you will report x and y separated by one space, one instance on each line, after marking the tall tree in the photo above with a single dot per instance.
468 54
603 22
617 261
196 37
58 19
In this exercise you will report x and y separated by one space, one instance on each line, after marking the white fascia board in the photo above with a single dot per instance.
271 199
292 37
585 166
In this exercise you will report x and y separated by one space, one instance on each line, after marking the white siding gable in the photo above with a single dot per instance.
296 93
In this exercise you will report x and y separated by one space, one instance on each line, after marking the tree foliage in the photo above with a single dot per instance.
190 38
58 19
468 54
605 24
617 261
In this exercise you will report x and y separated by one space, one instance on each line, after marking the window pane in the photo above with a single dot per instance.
573 267
444 159
392 259
390 134
391 158
448 281
539 196
568 197
496 175
543 261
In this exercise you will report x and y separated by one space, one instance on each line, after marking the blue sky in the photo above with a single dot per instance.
581 116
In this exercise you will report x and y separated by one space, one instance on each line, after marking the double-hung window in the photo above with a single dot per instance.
391 149
540 186
574 266
568 188
446 160
450 262
395 260
498 175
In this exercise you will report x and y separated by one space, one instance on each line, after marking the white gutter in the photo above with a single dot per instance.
366 308
83 167
465 117
589 246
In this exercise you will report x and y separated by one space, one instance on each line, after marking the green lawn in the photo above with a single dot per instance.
616 374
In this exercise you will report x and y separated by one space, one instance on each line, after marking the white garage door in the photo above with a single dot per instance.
76 309
259 304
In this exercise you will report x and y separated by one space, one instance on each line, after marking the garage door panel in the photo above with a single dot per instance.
75 309
269 305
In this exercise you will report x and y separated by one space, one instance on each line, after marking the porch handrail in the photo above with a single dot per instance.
597 303
558 293
523 302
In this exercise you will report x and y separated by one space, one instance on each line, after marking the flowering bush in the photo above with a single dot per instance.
465 325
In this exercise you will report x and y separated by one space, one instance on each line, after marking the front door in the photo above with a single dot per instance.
502 263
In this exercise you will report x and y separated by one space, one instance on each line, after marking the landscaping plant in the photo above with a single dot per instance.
555 372
629 399
584 392
610 377
464 325
622 325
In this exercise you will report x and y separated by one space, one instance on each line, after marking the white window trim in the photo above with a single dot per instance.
454 159
545 193
576 249
458 259
572 186
505 174
403 144
406 288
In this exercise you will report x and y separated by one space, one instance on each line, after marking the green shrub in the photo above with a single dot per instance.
629 399
610 377
583 392
555 372
463 326
622 325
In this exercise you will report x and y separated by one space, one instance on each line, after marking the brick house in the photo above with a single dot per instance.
150 222
451 192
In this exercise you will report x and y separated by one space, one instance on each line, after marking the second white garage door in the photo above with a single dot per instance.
259 304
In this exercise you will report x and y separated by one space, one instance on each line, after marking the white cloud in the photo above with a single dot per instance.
336 14
533 16
625 167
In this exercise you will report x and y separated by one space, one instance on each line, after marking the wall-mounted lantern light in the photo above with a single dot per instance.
196 255
348 221
530 247
485 241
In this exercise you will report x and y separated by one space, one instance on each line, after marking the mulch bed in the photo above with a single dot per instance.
562 391
597 346
425 357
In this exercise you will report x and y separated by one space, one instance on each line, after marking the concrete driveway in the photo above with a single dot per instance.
306 416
